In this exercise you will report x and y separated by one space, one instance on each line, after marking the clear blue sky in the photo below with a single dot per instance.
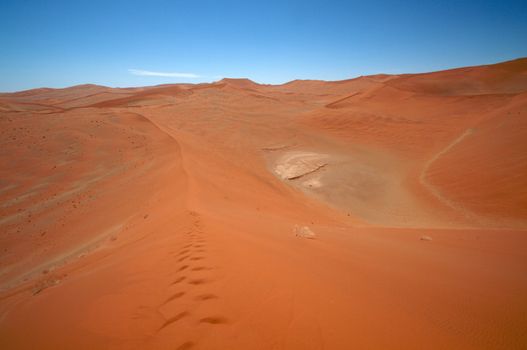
64 43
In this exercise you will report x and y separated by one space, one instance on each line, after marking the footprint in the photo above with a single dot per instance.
198 281
179 280
173 319
200 268
204 297
185 346
214 320
173 297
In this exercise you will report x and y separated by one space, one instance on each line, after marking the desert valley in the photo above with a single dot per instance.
381 212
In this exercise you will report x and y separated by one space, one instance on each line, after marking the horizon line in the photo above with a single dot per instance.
193 76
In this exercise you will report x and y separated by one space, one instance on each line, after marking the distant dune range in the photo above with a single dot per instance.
173 217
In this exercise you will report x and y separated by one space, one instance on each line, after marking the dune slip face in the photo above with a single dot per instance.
382 212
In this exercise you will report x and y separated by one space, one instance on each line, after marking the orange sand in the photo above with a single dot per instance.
156 218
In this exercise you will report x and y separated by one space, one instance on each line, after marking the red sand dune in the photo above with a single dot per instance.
171 217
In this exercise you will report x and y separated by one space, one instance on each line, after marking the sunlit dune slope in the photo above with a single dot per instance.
424 127
485 169
72 181
503 78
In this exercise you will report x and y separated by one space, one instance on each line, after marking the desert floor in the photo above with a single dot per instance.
382 212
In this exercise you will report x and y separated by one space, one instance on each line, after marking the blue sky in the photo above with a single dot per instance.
135 43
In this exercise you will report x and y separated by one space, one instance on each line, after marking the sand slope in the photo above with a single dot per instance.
164 217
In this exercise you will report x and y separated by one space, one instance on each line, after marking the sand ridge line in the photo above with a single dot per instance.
433 189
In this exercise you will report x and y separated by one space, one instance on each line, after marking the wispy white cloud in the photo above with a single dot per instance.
162 74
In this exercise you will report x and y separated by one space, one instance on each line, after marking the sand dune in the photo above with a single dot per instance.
383 212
